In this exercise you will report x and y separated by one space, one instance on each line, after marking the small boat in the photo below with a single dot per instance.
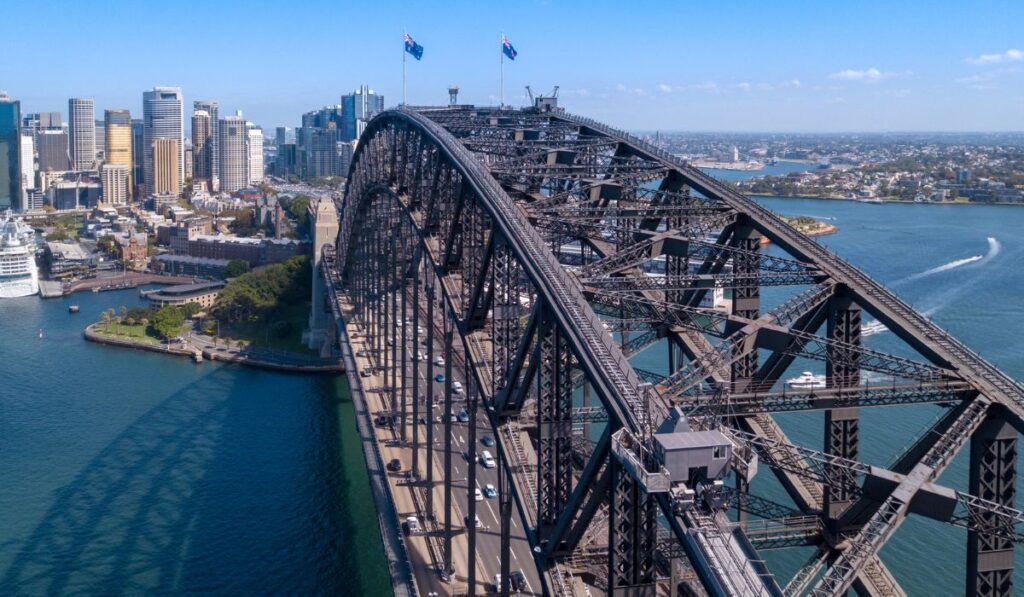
806 380
73 309
40 333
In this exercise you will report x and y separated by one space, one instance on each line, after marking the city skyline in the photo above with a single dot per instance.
873 67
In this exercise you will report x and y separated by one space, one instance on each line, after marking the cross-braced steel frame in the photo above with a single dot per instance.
537 242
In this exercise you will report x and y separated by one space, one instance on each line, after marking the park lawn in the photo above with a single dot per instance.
259 334
132 332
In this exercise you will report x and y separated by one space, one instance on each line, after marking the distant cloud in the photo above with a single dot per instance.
744 86
1010 55
795 83
868 75
665 88
581 92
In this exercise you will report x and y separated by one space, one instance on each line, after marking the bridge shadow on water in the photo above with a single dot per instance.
162 508
122 524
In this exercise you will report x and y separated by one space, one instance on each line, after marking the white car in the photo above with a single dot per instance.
487 460
478 495
439 361
457 387
420 356
412 525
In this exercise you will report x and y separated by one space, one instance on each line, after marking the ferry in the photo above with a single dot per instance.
18 273
806 381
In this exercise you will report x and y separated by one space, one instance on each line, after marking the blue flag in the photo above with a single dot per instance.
413 48
507 48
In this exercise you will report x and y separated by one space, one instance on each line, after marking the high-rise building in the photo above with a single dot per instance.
166 156
10 154
255 153
28 165
116 188
101 140
284 135
285 163
119 150
138 152
52 149
202 146
233 154
82 126
213 109
358 108
163 118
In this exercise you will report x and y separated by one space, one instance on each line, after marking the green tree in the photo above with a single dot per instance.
106 244
167 322
190 310
235 268
299 209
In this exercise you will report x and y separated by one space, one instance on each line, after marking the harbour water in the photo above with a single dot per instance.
128 472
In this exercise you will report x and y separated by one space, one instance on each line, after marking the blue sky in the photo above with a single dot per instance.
674 65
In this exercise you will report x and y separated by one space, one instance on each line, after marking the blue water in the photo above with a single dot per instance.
777 169
125 472
956 263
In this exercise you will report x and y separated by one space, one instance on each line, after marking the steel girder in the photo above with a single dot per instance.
570 174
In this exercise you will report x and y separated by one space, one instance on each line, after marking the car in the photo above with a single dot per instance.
487 440
361 352
439 377
497 583
490 491
477 521
463 416
517 580
420 356
365 372
487 460
412 525
395 465
457 387
421 331
391 342
478 495
439 361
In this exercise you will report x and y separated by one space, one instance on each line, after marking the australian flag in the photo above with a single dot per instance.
507 49
413 48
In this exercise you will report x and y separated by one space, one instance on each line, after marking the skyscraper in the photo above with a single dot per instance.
137 154
28 161
358 108
114 178
255 153
166 156
52 148
82 126
233 154
163 118
213 109
118 130
10 153
202 147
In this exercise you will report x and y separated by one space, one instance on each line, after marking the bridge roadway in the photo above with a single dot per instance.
421 555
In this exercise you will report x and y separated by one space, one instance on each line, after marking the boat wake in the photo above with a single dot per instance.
874 326
994 248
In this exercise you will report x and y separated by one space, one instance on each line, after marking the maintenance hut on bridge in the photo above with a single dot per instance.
691 456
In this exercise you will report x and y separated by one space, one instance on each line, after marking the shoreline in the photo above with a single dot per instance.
880 201
199 355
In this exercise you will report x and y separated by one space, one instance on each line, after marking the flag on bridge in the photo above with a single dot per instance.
507 49
413 48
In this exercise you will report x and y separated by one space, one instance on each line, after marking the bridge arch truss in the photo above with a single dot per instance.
545 251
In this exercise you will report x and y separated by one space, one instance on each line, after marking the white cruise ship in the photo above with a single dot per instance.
18 273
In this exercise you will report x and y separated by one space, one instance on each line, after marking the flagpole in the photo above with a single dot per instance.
404 84
501 69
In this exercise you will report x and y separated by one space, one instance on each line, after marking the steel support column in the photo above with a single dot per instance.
842 369
632 536
554 425
993 476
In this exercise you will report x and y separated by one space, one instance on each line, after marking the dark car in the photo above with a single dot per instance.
395 465
488 441
518 580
